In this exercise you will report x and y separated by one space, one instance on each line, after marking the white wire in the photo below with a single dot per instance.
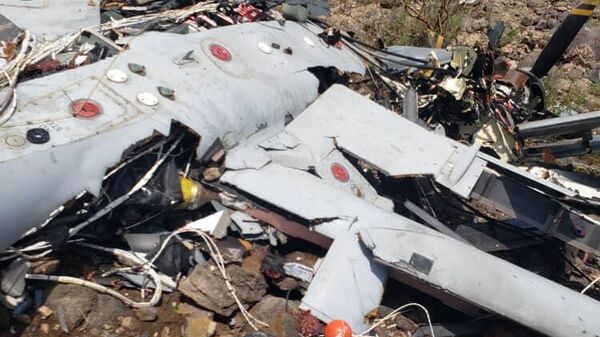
396 312
590 285
220 263
141 183
123 256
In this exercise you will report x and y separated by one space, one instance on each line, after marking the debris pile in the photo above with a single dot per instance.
212 169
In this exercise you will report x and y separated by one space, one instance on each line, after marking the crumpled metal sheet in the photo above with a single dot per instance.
50 19
419 256
370 132
486 281
211 100
348 274
422 256
8 30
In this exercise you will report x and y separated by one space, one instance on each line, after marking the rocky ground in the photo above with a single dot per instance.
573 84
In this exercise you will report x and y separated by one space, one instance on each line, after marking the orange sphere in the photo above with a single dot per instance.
338 328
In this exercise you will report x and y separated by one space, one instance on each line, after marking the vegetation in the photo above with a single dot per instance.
411 21
581 95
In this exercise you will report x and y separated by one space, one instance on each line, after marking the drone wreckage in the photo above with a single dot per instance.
167 130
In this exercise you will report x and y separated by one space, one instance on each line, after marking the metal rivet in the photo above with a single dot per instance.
308 41
38 136
85 108
265 48
357 192
166 92
220 52
116 75
15 141
147 98
137 69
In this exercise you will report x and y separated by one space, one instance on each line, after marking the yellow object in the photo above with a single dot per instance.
585 8
436 40
582 12
188 189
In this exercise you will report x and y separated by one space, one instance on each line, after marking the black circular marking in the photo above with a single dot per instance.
38 136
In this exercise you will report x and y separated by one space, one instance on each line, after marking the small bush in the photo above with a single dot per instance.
411 21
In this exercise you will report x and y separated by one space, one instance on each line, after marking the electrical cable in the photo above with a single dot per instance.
220 263
415 59
394 314
124 257
406 64
590 285
116 202
474 212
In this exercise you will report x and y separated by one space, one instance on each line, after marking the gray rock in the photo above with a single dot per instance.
146 314
530 42
480 24
199 326
186 309
576 72
269 306
594 75
259 334
284 325
541 25
562 84
467 24
165 332
105 312
269 310
205 286
561 6
535 3
527 21
129 323
74 302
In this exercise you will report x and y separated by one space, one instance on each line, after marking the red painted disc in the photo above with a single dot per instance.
220 52
85 108
338 328
339 172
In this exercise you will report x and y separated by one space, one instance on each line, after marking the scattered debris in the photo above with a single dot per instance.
226 177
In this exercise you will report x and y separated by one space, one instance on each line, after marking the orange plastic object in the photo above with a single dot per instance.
338 328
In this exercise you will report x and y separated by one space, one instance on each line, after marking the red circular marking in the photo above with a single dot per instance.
85 108
220 52
338 328
339 172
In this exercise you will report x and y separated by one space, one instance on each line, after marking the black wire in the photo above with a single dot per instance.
387 85
287 298
504 224
511 228
475 212
346 36
424 63
410 65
